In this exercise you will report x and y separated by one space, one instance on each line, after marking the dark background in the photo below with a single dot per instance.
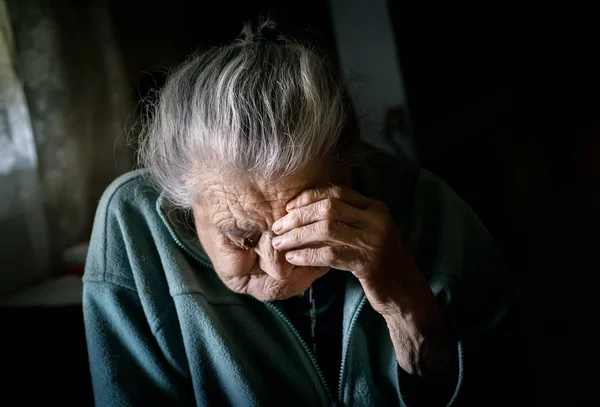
503 104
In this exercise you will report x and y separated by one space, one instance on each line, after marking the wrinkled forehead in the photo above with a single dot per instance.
247 201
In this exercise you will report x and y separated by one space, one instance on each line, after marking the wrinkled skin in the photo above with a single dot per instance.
272 239
248 203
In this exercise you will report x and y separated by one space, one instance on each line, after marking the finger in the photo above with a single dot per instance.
340 258
308 196
324 231
329 208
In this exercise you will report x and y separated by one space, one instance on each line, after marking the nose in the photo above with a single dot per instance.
272 261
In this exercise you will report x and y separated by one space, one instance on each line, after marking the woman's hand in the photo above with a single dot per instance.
339 228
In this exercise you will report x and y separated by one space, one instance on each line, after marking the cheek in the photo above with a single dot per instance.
233 264
228 261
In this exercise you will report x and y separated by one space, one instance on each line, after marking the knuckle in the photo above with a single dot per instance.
314 194
330 254
294 235
330 227
299 218
328 207
336 191
302 198
315 212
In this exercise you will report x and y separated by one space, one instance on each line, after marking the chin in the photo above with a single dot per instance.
278 290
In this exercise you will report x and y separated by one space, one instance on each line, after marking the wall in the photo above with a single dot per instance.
367 55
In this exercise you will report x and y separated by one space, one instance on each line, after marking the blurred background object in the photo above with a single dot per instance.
499 100
23 237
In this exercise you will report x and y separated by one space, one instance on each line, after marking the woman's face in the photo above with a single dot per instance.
233 222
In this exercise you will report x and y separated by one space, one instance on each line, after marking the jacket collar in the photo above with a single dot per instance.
175 220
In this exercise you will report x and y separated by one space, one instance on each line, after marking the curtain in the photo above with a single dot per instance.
24 251
73 84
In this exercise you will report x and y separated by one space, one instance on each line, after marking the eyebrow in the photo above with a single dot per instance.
234 230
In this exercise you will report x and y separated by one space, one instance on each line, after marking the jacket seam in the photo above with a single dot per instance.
160 320
109 201
155 324
110 283
116 279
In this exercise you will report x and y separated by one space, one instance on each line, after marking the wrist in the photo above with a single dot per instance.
398 287
396 300
419 325
420 340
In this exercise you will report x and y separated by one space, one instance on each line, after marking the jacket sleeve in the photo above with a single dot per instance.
126 363
131 361
474 289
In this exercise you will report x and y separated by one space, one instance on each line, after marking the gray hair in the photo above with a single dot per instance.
267 106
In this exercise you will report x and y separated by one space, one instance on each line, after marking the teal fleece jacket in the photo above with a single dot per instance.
162 329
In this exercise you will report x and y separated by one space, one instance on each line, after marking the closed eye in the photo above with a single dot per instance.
240 233
242 238
245 243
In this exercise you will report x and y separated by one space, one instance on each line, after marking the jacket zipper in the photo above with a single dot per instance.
181 245
274 308
305 346
291 326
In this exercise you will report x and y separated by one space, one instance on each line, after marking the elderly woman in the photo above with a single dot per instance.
266 257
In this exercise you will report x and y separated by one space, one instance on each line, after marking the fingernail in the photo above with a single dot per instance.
277 226
290 206
276 241
289 255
